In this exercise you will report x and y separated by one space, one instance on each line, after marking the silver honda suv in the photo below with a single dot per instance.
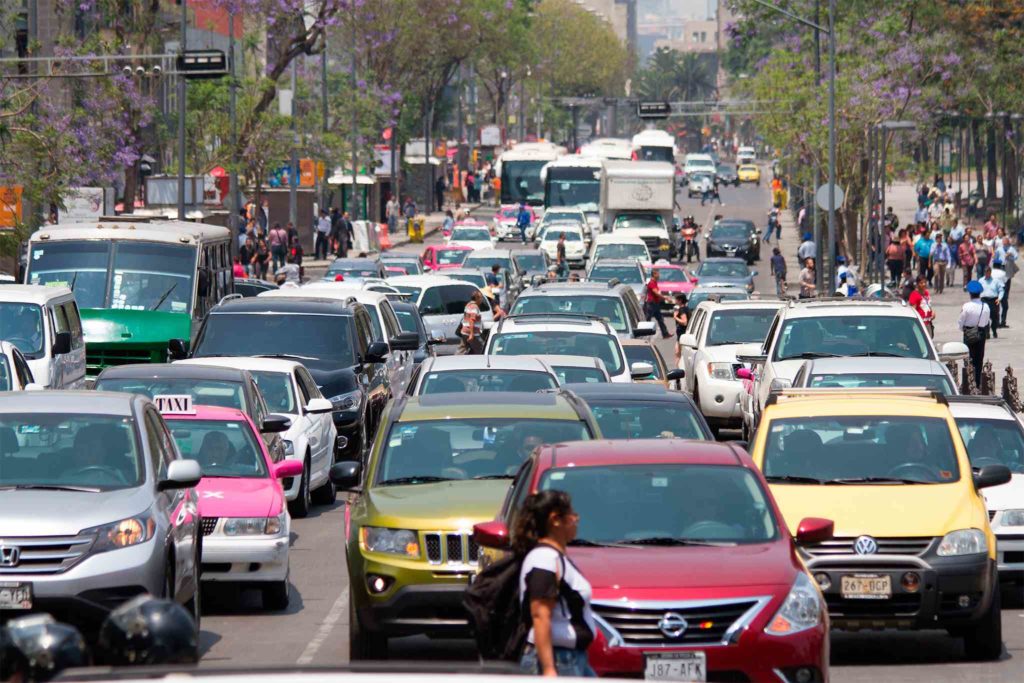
96 506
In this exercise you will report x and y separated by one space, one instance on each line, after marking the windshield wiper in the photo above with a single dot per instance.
74 279
284 355
425 479
810 354
876 480
732 341
669 540
50 487
164 297
793 479
585 543
879 354
495 476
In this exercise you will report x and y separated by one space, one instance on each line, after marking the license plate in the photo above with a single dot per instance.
676 666
15 595
866 587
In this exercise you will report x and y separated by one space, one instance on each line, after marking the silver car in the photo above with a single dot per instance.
96 506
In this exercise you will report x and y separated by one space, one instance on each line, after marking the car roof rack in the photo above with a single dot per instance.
886 392
558 315
982 399
858 299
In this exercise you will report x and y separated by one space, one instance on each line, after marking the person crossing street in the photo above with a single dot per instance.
653 300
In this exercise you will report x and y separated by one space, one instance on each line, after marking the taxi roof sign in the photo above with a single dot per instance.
174 404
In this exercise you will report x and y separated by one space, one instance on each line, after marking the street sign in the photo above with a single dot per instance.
821 197
653 110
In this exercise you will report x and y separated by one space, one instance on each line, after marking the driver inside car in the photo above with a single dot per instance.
23 324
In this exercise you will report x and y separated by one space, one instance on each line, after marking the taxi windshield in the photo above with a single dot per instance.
222 448
660 504
630 275
621 251
458 381
672 275
203 391
22 325
554 343
486 448
447 257
852 335
866 449
608 307
91 452
646 419
277 390
739 327
471 234
993 442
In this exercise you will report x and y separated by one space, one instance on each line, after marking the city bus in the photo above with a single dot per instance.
654 145
519 171
139 283
574 180
608 148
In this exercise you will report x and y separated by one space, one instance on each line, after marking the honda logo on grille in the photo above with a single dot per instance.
9 555
865 545
673 625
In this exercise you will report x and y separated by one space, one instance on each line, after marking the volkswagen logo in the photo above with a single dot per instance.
865 545
9 555
673 625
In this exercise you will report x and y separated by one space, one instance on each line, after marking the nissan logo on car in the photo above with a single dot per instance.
673 625
865 545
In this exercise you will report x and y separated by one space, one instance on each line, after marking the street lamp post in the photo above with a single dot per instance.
181 119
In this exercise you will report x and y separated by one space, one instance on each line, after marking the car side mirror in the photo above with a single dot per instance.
991 475
744 373
405 341
753 273
644 329
319 406
288 468
345 474
641 370
674 375
815 530
492 535
688 340
274 424
177 349
778 384
181 474
376 353
61 343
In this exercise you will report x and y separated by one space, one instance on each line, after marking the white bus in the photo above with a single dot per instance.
519 170
575 180
654 145
608 148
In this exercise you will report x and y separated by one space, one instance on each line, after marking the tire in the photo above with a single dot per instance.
275 595
299 507
983 641
326 494
195 605
363 644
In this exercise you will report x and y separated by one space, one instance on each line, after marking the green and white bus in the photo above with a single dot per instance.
138 283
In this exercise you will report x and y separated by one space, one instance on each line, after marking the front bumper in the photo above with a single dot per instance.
747 252
348 445
720 401
507 230
1010 555
244 559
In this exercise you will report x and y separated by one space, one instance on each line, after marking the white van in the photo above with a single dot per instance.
699 162
745 155
43 322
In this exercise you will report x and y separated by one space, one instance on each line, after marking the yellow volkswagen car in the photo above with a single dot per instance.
440 464
749 173
912 546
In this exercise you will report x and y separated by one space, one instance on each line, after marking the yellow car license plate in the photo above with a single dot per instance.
866 587
691 667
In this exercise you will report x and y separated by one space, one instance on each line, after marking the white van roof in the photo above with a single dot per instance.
32 294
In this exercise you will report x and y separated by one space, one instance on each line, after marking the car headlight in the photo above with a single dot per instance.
253 526
124 533
1011 518
720 370
350 401
393 541
963 542
289 447
800 610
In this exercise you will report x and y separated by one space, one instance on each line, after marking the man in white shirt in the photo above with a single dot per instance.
974 322
323 236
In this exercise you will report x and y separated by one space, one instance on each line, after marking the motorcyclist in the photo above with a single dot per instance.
48 646
688 234
149 631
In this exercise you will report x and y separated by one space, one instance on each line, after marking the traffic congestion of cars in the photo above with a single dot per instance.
802 467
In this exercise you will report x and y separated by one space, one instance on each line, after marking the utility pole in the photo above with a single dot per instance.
815 218
293 168
325 121
831 142
355 116
233 114
181 118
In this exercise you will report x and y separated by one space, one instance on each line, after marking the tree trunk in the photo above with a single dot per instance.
1009 176
978 160
131 187
993 162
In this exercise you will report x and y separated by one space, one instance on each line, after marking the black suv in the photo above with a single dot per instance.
334 340
734 237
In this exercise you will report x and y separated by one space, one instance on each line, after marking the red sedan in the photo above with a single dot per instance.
674 279
694 575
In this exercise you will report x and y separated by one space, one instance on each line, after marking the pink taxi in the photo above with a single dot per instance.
674 279
441 257
506 219
244 515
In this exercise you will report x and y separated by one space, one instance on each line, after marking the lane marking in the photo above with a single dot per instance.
324 630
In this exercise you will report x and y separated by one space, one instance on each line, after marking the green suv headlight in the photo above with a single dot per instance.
963 542
392 541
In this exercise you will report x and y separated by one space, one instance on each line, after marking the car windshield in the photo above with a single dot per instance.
471 234
510 212
646 419
656 154
6 383
22 325
555 232
739 327
457 381
630 275
860 449
205 392
644 353
696 298
146 275
407 320
861 380
485 262
699 176
726 169
447 257
621 251
531 261
993 442
666 502
672 275
748 169
608 307
476 278
628 222
277 389
412 292
308 337
554 343
722 269
852 335
552 216
350 271
427 451
95 452
570 374
222 448
729 232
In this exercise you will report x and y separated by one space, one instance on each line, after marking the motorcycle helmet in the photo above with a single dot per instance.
47 646
149 631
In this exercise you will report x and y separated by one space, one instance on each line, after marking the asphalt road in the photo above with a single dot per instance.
314 630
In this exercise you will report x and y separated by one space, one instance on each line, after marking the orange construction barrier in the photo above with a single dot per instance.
383 237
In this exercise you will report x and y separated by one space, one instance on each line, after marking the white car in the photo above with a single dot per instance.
472 236
708 355
575 248
290 390
993 435
442 302
553 334
562 214
15 374
822 329
619 245
481 373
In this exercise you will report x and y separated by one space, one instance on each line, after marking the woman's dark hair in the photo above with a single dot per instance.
532 523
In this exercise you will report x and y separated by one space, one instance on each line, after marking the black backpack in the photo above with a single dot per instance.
495 611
